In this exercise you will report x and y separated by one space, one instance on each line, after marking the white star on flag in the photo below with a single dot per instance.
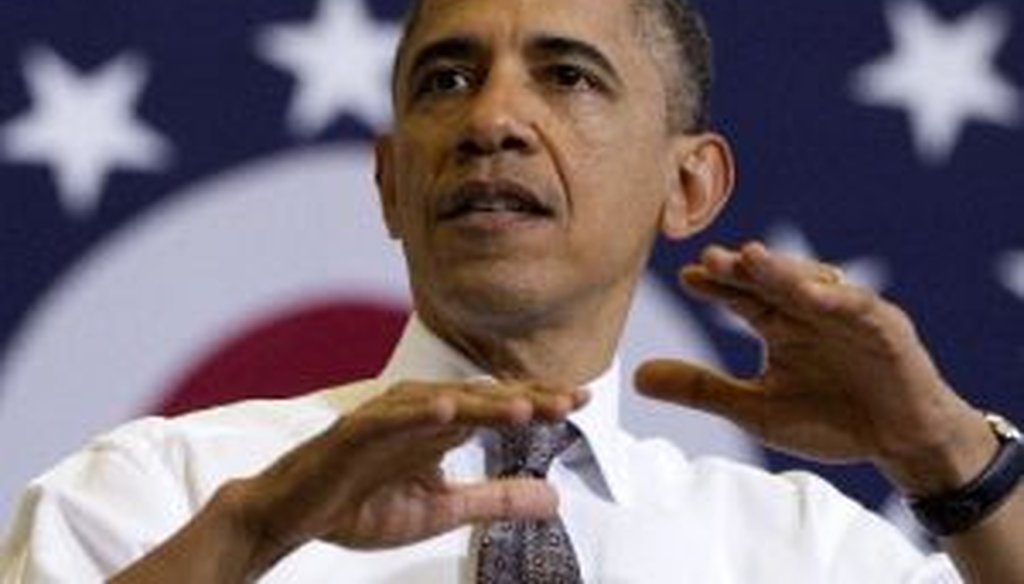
786 238
943 74
1010 271
341 61
83 126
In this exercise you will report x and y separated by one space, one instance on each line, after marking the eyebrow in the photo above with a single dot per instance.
453 48
462 48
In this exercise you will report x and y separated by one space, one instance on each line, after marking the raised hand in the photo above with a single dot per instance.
373 480
845 375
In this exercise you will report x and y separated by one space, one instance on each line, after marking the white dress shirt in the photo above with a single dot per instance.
636 511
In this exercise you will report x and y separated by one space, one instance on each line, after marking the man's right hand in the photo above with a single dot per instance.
372 480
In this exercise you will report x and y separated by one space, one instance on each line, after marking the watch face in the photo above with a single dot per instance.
1003 428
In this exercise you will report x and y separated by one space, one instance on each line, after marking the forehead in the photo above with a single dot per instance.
607 24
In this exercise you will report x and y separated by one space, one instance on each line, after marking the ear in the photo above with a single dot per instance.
705 174
384 176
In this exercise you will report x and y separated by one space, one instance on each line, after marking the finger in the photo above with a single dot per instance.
387 416
755 255
754 268
803 289
504 499
488 403
548 401
797 283
697 279
764 317
410 406
724 266
818 290
692 386
721 271
424 447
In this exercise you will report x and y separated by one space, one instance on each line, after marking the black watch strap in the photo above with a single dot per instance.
959 510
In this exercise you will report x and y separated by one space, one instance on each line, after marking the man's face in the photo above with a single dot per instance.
530 159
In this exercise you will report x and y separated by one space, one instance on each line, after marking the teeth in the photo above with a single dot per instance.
498 205
494 201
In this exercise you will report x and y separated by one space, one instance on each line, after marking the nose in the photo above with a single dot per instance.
498 119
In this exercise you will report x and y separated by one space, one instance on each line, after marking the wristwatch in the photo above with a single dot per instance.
957 511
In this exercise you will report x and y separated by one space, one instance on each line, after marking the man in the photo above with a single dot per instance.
539 148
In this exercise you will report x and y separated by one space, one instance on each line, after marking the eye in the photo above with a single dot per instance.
443 81
572 77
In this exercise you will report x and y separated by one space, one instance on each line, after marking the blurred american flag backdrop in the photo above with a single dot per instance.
187 214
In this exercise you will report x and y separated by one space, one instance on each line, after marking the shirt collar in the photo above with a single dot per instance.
422 355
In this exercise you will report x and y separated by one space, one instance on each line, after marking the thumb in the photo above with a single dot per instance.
696 387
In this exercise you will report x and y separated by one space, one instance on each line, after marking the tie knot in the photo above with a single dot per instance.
529 450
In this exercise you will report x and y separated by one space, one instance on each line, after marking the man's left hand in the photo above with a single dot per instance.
845 375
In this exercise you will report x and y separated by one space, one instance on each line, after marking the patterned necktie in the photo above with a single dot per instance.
528 552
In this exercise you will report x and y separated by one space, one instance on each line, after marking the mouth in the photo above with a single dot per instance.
493 199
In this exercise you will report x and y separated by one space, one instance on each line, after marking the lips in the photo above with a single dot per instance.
493 198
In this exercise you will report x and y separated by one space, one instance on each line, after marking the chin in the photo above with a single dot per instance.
498 301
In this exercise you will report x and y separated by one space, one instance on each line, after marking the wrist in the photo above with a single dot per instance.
951 456
960 510
236 509
215 546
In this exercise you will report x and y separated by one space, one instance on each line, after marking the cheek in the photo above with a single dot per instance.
619 133
414 177
621 166
618 191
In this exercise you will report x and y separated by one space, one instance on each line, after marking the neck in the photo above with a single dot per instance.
572 346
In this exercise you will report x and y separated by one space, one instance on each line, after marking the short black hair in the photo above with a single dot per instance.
676 34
